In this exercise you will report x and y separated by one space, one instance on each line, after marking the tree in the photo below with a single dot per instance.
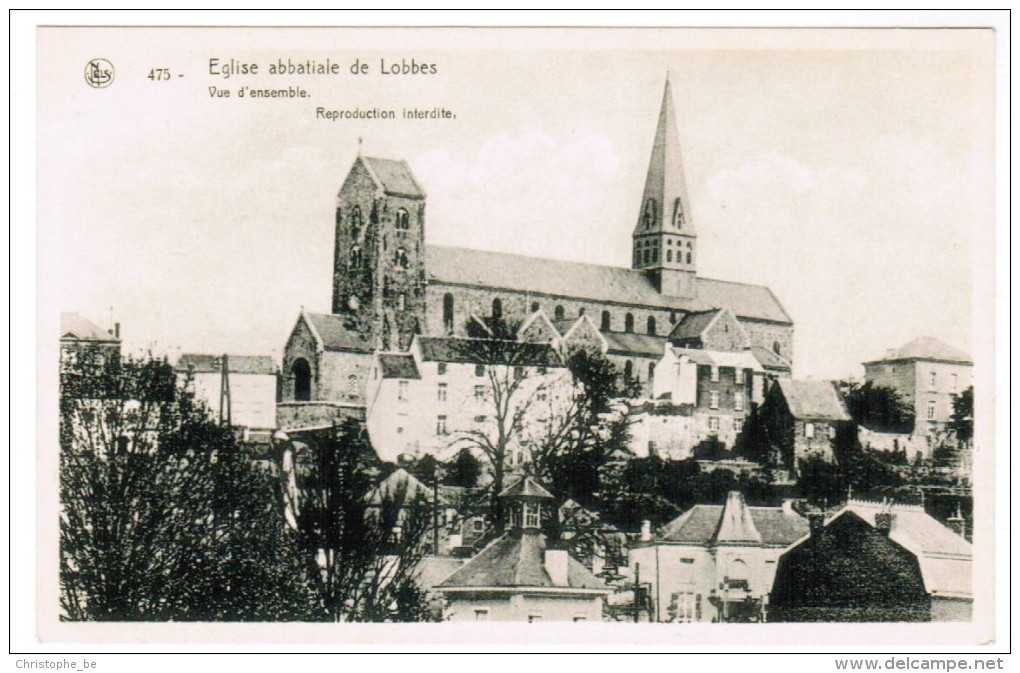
877 408
464 470
962 419
516 395
367 542
162 516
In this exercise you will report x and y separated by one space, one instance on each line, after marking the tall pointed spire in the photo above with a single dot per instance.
664 236
665 184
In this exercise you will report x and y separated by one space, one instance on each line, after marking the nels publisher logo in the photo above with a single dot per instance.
99 73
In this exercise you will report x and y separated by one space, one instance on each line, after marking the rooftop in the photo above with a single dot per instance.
516 560
813 400
393 177
596 282
488 352
336 334
926 348
735 523
200 363
398 366
75 327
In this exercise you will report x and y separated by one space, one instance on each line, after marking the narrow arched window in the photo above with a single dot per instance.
628 323
651 370
606 321
356 217
651 326
580 312
355 260
688 257
402 221
352 385
400 258
628 369
497 308
534 306
776 349
302 374
678 213
448 312
558 313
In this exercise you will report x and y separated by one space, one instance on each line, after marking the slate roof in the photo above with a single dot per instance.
527 487
516 560
705 525
236 364
335 335
488 352
926 348
635 344
399 487
769 360
393 177
398 366
462 266
945 557
813 400
693 325
74 326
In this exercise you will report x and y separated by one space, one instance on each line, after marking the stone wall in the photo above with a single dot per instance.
294 415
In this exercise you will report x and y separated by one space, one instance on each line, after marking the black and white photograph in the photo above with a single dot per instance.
539 334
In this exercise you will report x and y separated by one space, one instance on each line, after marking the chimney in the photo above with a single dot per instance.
884 522
816 521
556 562
646 531
957 523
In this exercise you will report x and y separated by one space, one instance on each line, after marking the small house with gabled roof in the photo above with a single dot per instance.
716 563
521 575
806 418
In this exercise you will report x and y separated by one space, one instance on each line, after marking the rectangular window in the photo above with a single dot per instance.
402 391
541 396
687 561
580 619
531 514
481 615
479 370
713 422
715 374
479 392
441 425
478 525
738 375
809 430
518 373
931 410
683 606
481 419
931 381
534 618
441 368
953 382
713 399
441 392
738 401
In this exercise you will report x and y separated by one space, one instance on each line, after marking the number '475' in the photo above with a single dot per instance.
157 74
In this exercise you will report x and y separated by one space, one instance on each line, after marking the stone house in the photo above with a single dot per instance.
875 562
438 395
716 563
806 418
927 374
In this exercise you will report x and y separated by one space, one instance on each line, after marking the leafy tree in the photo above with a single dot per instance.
464 470
162 516
877 407
368 543
962 419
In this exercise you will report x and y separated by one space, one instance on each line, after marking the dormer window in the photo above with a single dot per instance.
678 213
648 217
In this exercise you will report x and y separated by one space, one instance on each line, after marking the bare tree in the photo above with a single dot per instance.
367 544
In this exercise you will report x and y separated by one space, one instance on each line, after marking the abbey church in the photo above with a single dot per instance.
392 292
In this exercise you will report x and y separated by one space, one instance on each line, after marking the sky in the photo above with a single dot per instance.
849 171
